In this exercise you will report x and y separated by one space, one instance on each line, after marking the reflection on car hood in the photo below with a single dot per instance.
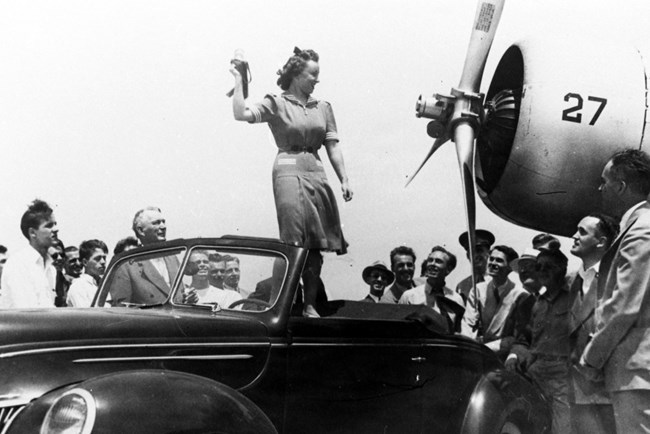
50 327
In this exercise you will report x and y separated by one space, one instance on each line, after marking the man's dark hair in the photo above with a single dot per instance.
607 227
451 263
88 247
70 249
632 166
215 257
401 250
557 256
510 253
3 249
228 258
124 243
37 212
541 239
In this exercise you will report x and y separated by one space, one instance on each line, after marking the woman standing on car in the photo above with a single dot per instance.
306 206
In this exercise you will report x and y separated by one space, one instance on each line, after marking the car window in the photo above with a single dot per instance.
242 280
141 280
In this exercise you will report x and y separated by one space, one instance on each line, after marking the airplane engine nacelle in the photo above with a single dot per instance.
561 110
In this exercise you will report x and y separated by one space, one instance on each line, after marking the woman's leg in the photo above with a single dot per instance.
311 282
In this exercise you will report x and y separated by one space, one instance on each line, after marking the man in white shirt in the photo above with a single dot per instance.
496 317
434 293
232 275
93 257
28 278
200 291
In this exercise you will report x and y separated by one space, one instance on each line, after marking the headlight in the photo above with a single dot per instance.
72 413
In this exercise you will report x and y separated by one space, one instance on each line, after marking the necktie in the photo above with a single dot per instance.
495 292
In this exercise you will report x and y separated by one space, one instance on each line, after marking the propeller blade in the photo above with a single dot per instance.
464 139
436 145
488 14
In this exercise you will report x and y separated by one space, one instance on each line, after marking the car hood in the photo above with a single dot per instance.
42 350
46 327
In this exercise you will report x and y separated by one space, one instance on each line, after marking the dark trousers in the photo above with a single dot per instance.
592 419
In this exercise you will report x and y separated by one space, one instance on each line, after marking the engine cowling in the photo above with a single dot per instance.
559 110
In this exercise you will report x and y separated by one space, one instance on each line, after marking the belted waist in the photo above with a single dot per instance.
308 149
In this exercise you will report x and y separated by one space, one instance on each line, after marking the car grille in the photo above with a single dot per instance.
7 413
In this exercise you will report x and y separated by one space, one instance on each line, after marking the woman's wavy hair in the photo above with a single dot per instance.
294 66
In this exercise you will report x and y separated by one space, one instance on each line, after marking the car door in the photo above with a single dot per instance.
351 375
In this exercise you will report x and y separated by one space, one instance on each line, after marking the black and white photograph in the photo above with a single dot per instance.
316 216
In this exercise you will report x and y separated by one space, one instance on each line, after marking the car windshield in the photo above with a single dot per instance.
245 280
141 280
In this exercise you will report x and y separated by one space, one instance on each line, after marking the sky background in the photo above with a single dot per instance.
110 106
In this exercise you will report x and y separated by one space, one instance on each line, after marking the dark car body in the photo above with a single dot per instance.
361 367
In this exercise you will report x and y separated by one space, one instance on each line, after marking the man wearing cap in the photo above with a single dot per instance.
591 409
493 316
484 240
402 264
545 242
434 293
524 266
545 356
377 276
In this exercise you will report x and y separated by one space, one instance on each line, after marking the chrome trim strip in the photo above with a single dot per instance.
12 354
146 359
8 397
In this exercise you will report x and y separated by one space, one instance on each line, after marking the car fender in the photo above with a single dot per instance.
503 398
151 401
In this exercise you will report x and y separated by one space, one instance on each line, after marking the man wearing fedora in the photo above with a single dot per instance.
378 277
524 266
484 240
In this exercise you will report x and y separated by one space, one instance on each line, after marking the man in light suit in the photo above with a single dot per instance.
146 281
620 348
590 407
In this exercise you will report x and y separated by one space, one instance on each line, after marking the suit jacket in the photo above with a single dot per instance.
582 324
140 282
621 344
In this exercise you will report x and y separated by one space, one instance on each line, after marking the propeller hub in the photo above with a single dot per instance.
438 107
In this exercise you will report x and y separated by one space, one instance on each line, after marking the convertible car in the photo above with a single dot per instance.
164 350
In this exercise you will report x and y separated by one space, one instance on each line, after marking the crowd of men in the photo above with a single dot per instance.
582 337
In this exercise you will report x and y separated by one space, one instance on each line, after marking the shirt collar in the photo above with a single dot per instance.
290 97
504 289
589 272
37 258
88 278
375 298
626 217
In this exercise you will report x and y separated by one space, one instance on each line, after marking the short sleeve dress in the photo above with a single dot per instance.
306 206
